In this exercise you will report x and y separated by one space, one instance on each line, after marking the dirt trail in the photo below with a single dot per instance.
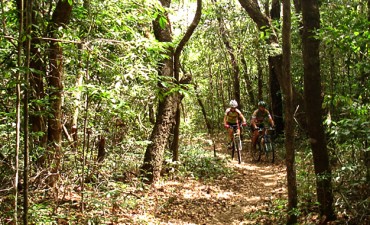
222 201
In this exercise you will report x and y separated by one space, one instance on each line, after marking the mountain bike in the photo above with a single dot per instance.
265 145
236 143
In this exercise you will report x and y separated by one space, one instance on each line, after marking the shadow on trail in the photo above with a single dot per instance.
225 200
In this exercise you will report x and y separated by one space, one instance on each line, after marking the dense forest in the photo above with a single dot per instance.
112 111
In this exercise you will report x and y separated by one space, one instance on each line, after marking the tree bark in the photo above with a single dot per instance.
37 118
263 23
275 91
184 40
248 82
313 103
176 134
289 110
168 106
153 157
259 77
367 153
60 17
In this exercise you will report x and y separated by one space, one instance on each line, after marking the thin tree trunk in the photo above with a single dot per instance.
77 98
289 110
248 82
313 101
18 111
184 40
208 123
176 134
367 153
259 77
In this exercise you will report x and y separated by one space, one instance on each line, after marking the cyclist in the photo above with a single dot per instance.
232 117
260 116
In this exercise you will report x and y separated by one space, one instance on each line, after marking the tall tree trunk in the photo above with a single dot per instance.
248 82
208 123
367 153
184 40
60 17
289 110
153 157
21 9
253 10
275 91
259 77
313 102
168 106
37 118
79 81
176 134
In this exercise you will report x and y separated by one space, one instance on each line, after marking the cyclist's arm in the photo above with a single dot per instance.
254 120
241 116
225 117
271 121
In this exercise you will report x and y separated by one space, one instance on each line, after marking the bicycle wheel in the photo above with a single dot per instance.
270 152
269 149
238 148
232 150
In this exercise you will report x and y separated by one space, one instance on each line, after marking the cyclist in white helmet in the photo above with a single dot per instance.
232 118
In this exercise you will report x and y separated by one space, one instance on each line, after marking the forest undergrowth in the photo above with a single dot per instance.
199 189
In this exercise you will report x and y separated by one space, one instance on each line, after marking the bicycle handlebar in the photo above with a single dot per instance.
261 128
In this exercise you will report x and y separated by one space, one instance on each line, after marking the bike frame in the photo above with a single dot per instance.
264 145
237 143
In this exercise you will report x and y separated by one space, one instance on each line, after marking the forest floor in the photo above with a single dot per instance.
237 199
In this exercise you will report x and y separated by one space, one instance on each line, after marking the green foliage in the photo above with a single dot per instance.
272 213
111 45
198 163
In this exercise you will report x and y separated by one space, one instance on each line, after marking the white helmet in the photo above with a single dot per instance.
233 104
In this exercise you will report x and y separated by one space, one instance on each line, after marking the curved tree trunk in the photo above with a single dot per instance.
168 106
313 101
184 40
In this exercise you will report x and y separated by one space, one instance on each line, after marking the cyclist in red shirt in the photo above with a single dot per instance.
260 116
232 118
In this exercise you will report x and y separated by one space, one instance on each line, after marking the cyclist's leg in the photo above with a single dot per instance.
230 138
230 130
255 135
254 138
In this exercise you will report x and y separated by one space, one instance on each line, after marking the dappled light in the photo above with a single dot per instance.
184 112
224 200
